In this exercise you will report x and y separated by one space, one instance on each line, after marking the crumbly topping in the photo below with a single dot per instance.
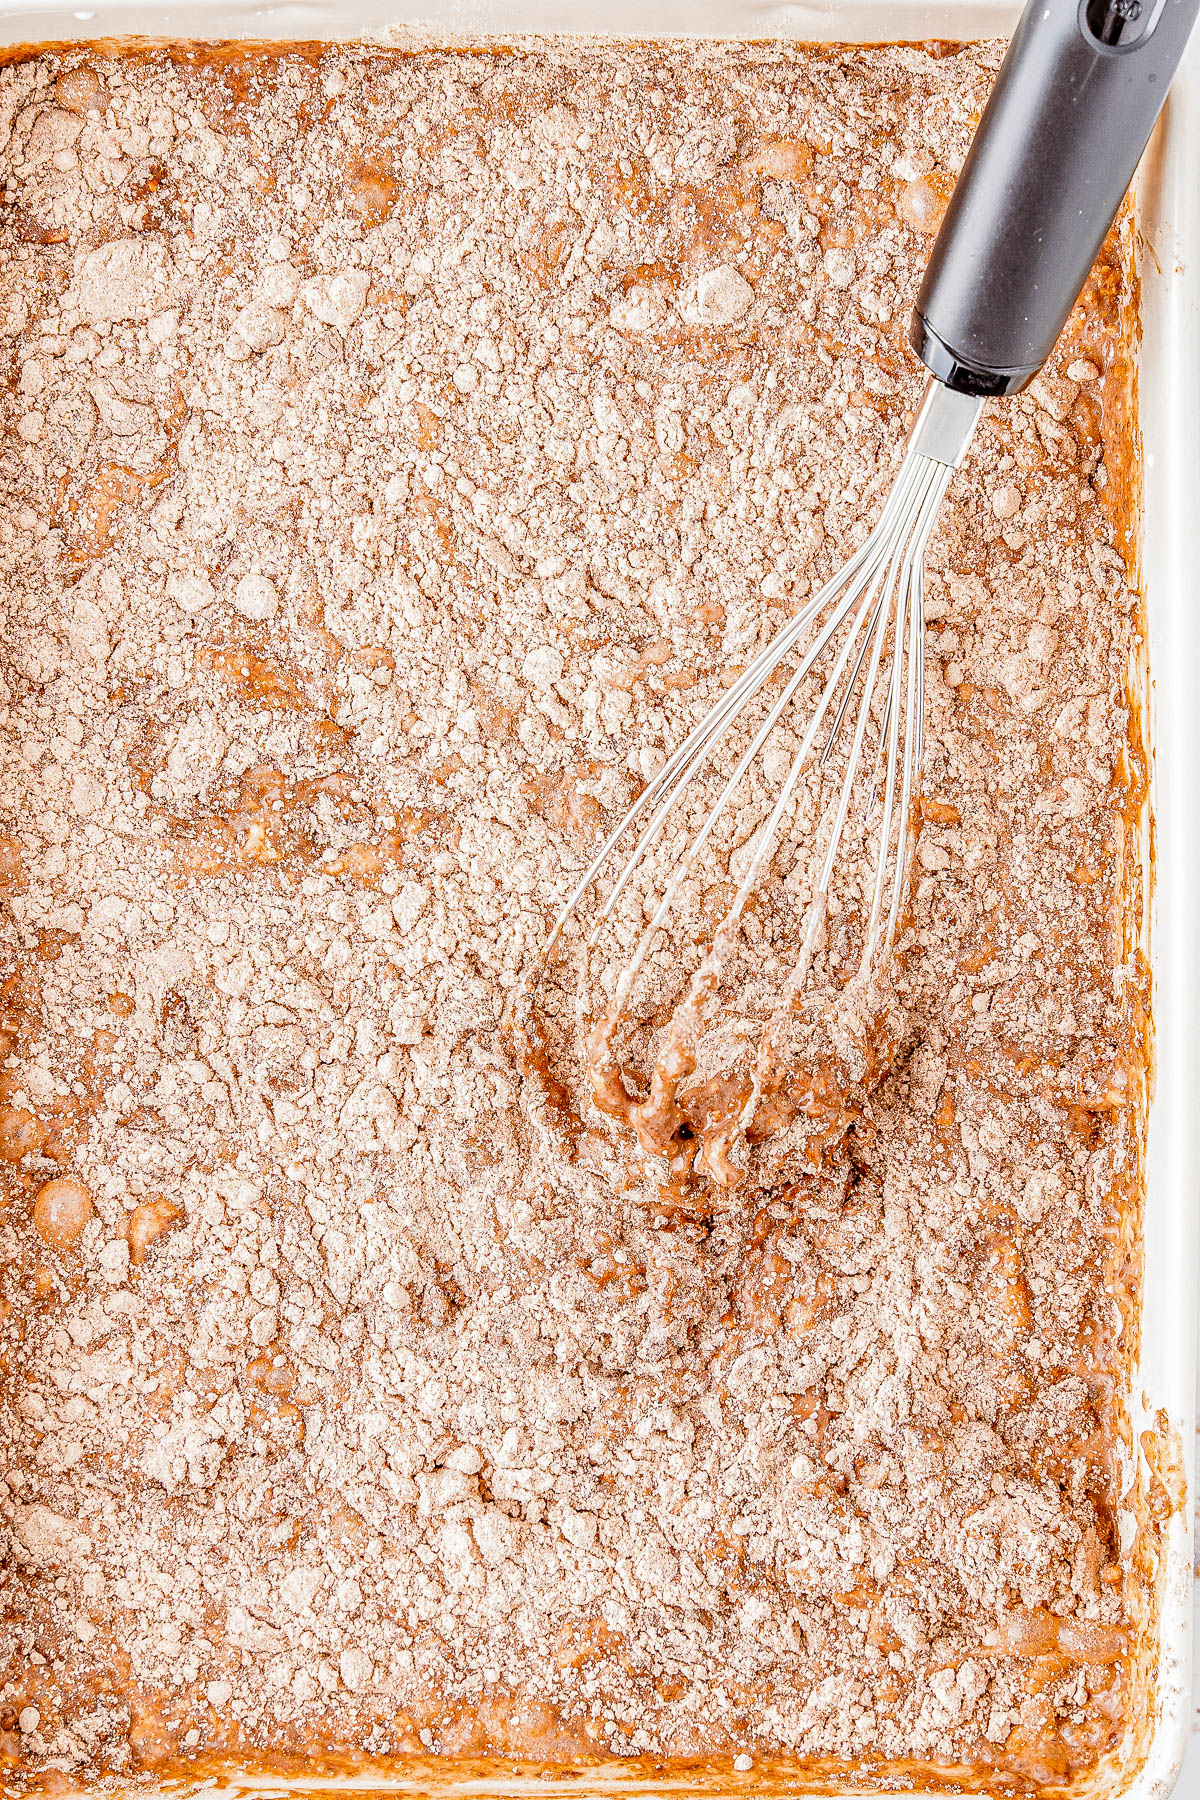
401 451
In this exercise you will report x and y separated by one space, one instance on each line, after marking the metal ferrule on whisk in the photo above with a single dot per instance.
944 425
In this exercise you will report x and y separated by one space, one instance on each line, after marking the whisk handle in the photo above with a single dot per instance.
1069 115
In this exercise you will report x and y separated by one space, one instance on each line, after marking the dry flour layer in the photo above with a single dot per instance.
399 453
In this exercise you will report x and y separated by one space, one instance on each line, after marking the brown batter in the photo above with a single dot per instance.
401 452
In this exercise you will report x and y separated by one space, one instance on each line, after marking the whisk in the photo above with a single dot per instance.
873 603
1070 113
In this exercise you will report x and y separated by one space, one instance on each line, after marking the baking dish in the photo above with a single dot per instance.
1161 1430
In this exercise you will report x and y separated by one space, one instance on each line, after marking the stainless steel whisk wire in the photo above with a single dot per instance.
879 592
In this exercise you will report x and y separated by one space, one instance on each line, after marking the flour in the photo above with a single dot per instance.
403 450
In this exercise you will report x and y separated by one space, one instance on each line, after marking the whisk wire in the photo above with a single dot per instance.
712 818
871 610
905 483
704 737
914 736
879 634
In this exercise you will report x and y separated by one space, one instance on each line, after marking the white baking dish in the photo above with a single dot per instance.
1168 218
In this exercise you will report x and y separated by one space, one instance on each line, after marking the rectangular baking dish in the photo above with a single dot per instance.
1157 1524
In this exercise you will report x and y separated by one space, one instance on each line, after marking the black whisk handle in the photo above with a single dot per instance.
1069 115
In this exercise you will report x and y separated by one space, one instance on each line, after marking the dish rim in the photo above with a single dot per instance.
1167 216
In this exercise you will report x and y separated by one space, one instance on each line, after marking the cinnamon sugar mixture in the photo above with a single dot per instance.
401 451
